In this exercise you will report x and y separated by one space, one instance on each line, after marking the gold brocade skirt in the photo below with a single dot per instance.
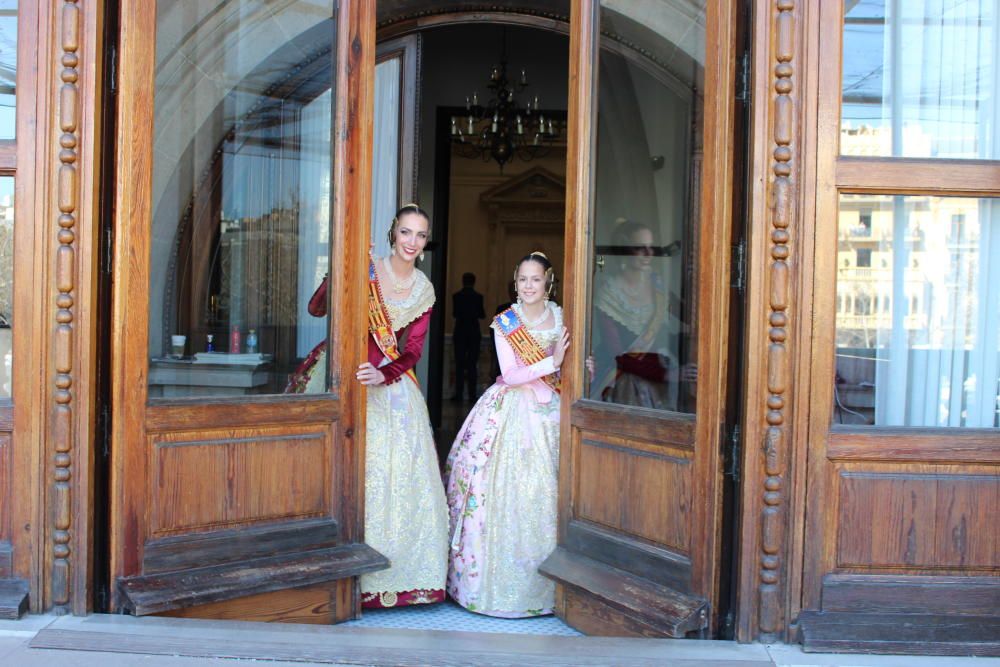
406 517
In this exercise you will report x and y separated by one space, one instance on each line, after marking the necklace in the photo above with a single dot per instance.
534 323
398 286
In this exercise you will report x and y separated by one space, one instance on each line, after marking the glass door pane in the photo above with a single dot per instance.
643 312
8 67
920 79
241 195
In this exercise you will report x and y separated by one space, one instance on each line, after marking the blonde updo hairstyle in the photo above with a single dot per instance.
543 261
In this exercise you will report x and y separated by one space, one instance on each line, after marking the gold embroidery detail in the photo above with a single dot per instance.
406 515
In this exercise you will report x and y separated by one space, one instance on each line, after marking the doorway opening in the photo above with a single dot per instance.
645 222
486 216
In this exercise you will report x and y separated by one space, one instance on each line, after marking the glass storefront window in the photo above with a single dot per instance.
920 79
8 66
241 197
918 312
642 307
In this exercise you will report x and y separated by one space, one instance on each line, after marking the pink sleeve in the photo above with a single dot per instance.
412 350
514 374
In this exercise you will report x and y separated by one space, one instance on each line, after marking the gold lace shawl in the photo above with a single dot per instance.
406 310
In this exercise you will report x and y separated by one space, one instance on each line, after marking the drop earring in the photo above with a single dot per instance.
421 255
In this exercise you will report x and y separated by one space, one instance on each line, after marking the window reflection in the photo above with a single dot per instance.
918 324
643 308
637 324
6 282
241 187
8 67
919 79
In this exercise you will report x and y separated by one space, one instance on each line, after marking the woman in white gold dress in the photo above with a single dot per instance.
503 468
406 518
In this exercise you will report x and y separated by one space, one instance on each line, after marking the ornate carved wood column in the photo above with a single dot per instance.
772 318
68 226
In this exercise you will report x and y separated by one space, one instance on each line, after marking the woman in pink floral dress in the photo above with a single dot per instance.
503 468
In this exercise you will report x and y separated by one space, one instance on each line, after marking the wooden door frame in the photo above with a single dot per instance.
776 403
344 406
826 453
59 83
716 216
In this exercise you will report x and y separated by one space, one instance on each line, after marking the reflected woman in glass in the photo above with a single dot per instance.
406 518
635 352
310 376
503 468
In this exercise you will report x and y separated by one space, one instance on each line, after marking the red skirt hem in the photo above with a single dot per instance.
386 600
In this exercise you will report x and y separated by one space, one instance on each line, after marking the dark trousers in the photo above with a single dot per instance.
466 364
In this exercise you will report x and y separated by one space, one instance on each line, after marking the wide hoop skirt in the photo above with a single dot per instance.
502 493
406 517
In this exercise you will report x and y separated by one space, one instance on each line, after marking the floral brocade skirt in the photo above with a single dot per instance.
406 517
502 492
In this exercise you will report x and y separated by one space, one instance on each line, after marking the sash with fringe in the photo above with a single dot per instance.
379 324
523 344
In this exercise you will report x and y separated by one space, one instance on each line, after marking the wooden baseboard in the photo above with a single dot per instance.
906 634
911 594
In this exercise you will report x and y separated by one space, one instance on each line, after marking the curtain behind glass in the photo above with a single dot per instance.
314 211
918 330
921 79
385 174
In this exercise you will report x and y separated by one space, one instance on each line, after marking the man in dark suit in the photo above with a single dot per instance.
467 308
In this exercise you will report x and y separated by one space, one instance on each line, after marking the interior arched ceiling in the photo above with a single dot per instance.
660 29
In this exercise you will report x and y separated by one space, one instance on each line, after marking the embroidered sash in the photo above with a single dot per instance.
524 345
379 324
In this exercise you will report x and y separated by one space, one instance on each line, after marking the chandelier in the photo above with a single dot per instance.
502 129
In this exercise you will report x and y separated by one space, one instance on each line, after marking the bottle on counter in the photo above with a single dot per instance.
252 341
209 345
234 340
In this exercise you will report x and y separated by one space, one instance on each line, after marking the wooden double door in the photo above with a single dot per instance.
244 178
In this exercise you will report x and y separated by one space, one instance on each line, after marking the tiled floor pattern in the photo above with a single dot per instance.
450 616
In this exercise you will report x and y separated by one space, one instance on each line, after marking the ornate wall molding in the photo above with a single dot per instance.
68 201
782 210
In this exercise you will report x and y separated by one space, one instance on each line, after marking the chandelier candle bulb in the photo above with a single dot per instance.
524 77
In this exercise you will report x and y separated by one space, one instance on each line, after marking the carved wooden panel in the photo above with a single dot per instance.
917 520
227 478
649 491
